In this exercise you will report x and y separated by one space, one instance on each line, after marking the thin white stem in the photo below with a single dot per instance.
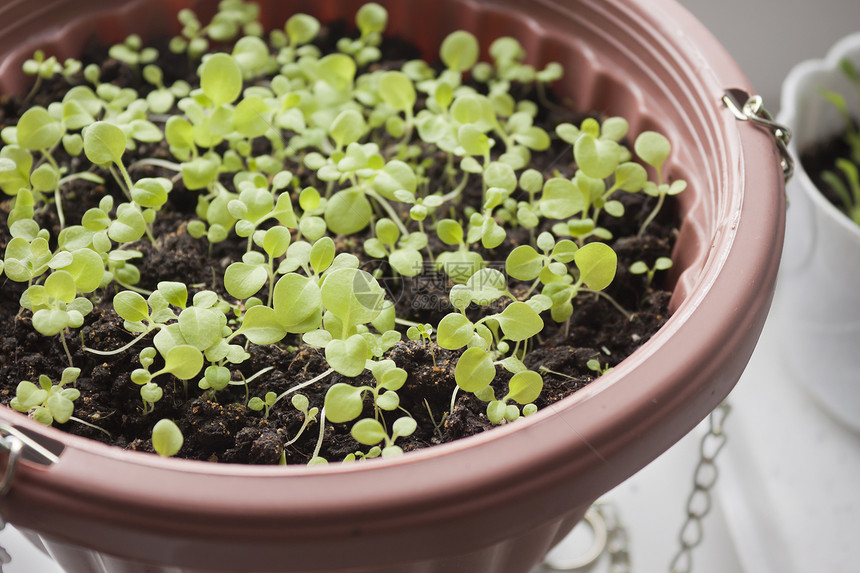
302 385
305 424
118 350
126 286
252 378
652 215
121 181
157 163
321 434
93 426
612 301
453 194
383 202
66 347
58 197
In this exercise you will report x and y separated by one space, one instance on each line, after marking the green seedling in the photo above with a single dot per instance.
461 264
39 131
596 264
302 405
48 403
46 68
162 98
265 403
653 148
232 18
132 52
56 307
403 253
243 280
182 361
371 20
344 402
420 332
524 388
167 438
849 194
595 366
838 100
844 180
371 432
642 268
373 452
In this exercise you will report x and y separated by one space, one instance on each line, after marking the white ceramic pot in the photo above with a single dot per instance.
818 293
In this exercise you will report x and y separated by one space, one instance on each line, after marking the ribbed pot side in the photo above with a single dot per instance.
492 503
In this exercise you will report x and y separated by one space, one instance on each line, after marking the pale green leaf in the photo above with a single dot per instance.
474 370
243 280
343 403
348 212
221 79
183 361
104 143
352 295
455 331
296 299
368 432
459 51
201 327
167 438
525 387
653 148
519 321
597 264
561 199
37 129
397 90
260 325
486 286
348 356
131 306
524 263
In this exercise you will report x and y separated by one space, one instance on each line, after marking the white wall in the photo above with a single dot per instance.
767 37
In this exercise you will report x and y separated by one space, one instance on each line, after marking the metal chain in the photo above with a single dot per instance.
610 535
746 107
617 541
699 502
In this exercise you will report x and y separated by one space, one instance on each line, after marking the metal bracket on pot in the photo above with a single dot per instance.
746 107
19 445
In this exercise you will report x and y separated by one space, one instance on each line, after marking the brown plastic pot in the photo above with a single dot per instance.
492 503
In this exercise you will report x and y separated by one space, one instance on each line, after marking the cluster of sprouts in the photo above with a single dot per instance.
347 149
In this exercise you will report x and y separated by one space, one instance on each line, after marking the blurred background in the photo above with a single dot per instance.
767 37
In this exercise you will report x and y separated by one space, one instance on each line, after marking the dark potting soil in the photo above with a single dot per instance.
220 427
822 157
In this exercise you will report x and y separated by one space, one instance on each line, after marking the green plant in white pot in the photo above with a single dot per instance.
491 502
817 293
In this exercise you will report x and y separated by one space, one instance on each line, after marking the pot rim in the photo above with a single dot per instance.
484 471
